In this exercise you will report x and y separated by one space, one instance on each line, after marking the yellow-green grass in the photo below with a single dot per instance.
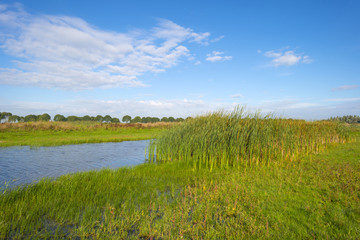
238 139
57 133
315 198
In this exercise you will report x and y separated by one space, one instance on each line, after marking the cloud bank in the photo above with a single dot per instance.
68 53
116 108
342 99
303 109
345 87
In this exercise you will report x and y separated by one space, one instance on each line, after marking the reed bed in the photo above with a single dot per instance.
238 138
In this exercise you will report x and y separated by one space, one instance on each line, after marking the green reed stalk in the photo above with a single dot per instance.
224 140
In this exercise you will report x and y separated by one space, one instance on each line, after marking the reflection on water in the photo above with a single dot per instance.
19 165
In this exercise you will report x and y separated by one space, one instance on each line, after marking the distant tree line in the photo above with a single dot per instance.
346 119
8 117
139 119
86 118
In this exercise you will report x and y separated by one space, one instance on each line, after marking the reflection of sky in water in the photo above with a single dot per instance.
19 165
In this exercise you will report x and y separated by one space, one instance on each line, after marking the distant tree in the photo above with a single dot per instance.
171 119
146 120
164 119
44 117
73 118
155 119
126 119
115 120
107 118
99 118
5 115
21 119
188 118
86 118
136 119
59 118
179 120
149 119
30 118
14 118
8 114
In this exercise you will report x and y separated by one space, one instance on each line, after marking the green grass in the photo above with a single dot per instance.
54 134
315 198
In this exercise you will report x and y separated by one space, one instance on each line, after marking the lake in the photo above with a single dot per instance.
21 165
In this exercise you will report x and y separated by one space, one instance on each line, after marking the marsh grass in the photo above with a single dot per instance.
237 139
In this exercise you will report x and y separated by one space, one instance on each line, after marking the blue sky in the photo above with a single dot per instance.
298 59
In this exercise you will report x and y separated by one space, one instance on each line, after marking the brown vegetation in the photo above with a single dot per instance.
69 126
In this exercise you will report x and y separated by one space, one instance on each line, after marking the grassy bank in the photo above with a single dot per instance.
315 196
59 133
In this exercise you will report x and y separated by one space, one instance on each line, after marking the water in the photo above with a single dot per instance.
21 165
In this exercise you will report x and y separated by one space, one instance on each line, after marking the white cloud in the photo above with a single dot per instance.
345 87
286 58
68 53
200 38
215 56
218 38
238 95
307 59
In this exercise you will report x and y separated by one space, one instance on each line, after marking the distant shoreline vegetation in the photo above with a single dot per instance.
12 118
346 119
9 117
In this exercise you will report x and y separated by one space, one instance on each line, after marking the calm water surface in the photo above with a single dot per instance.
20 165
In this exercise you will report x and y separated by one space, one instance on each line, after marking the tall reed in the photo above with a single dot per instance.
238 138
